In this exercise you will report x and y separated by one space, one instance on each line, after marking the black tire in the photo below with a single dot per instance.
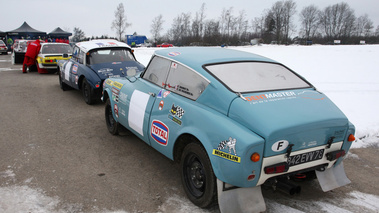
112 124
88 93
197 175
62 85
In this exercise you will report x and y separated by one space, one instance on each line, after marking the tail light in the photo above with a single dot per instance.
277 168
335 155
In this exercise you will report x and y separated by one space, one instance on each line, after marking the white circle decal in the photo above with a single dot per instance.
279 146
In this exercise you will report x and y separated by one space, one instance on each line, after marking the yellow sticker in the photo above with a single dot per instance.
118 85
226 156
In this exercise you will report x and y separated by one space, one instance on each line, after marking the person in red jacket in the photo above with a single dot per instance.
31 54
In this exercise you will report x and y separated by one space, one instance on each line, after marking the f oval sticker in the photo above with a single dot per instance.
279 146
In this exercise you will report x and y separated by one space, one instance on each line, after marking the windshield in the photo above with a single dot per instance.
56 48
244 77
109 56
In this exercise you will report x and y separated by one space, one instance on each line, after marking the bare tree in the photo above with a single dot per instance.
156 27
78 35
198 23
363 26
180 28
227 22
119 23
212 34
338 20
309 18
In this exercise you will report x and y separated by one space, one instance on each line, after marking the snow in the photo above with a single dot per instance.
346 74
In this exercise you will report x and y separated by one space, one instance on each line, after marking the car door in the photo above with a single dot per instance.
137 99
70 72
175 106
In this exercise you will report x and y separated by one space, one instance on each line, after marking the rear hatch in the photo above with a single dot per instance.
305 118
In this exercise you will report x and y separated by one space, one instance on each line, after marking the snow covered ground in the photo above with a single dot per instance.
349 75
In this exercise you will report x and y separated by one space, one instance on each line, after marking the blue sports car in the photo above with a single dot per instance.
234 121
94 61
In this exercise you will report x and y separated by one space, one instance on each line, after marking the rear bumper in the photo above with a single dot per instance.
282 158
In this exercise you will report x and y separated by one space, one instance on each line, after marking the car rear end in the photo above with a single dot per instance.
3 48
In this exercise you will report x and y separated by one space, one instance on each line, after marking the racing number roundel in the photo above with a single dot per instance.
159 132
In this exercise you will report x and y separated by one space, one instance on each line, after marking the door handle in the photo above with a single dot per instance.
152 94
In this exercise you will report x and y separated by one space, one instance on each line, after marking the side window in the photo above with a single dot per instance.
185 81
75 52
81 57
157 71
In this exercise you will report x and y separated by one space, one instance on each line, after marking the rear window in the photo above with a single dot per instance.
110 55
244 77
56 48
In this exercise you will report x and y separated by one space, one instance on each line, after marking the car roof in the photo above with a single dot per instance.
86 46
50 43
196 57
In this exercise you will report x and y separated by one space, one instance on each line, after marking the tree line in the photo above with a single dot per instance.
276 25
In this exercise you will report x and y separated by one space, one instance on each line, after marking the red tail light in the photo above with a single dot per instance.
335 155
277 168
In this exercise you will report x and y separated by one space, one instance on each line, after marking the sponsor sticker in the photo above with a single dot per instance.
230 146
118 84
116 110
75 69
279 146
174 54
161 104
159 132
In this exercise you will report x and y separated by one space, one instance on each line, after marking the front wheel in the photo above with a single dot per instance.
197 175
88 93
112 124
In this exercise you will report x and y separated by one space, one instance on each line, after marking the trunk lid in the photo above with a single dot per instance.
305 118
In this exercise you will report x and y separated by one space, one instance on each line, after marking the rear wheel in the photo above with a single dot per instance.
197 175
88 93
112 124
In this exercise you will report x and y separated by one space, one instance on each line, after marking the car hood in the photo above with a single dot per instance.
305 118
116 69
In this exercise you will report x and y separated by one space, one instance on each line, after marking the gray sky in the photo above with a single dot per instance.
94 17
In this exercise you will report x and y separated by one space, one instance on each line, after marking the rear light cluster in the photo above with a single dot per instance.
49 60
335 155
277 168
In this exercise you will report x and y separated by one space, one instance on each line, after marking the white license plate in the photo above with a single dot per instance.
305 157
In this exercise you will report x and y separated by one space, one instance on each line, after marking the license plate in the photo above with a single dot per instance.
305 157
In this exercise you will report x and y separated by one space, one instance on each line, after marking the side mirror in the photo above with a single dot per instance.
65 55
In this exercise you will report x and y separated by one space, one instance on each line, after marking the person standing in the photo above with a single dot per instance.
31 55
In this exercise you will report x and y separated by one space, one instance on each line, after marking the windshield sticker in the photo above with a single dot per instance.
230 146
279 96
159 132
174 65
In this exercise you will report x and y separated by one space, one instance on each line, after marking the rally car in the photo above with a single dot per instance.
19 50
3 48
94 61
49 54
235 121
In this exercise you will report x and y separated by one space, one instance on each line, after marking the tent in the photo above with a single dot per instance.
2 34
25 31
59 33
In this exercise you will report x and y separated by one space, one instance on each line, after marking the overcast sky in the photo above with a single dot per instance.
95 17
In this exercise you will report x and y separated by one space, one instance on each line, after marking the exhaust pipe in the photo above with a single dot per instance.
287 187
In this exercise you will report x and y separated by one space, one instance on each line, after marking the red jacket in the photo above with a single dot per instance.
33 49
